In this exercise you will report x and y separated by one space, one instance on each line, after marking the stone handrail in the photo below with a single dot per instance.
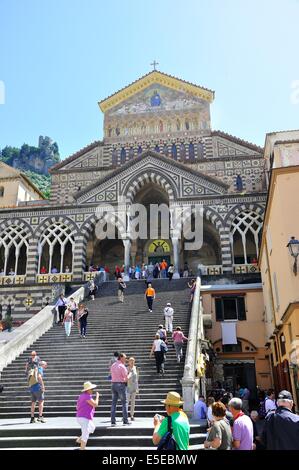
22 337
196 334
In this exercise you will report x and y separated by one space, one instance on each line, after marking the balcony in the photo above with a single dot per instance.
245 268
11 280
54 278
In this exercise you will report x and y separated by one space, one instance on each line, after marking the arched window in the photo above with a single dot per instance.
200 150
165 150
191 152
182 151
245 232
174 152
139 151
13 250
157 148
55 248
1 191
239 183
114 157
187 124
123 154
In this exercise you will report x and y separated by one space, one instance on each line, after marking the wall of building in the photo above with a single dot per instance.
283 223
250 332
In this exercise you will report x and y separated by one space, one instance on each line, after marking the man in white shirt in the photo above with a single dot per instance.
168 315
270 402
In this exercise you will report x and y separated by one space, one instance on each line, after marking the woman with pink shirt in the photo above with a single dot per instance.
178 339
86 406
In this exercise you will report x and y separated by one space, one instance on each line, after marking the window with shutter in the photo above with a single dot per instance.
241 308
218 308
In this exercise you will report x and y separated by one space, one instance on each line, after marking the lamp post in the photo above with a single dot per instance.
293 247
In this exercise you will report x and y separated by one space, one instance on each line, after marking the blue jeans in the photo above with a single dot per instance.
119 391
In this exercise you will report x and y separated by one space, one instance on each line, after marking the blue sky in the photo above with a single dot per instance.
58 58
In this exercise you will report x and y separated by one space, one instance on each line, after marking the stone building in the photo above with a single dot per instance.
158 147
278 263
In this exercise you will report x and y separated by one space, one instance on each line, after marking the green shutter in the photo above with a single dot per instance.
218 308
241 308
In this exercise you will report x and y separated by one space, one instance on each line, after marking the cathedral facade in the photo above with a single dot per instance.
158 148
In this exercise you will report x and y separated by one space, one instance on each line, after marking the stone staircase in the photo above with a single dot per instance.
112 326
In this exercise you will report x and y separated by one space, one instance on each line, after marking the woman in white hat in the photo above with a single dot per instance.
86 406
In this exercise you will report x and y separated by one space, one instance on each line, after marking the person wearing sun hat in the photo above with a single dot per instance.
86 406
179 421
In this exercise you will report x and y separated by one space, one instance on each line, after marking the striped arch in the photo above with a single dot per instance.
244 221
208 214
134 185
259 210
33 251
91 222
54 220
15 221
15 235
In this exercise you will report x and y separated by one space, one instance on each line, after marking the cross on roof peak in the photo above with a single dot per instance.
154 64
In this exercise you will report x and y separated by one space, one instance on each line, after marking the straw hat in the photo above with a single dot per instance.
173 399
88 386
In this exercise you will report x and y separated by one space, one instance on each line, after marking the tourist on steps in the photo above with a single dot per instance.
37 390
73 306
119 379
179 422
132 386
86 406
92 289
157 349
168 315
68 322
178 341
61 304
150 295
121 287
82 318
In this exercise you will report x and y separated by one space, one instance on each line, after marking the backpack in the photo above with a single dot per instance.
167 442
162 335
33 377
164 348
262 409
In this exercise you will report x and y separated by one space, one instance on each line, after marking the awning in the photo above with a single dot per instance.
235 361
229 335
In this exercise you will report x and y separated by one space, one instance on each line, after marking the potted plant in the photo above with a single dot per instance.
8 321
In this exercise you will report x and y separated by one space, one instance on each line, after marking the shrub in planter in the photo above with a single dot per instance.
8 322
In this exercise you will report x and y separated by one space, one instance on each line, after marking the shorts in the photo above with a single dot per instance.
37 396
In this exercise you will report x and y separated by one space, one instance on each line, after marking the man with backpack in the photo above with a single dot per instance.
172 432
268 404
37 389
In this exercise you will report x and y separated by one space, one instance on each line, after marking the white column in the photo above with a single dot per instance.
6 254
127 246
175 246
50 257
61 259
17 254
